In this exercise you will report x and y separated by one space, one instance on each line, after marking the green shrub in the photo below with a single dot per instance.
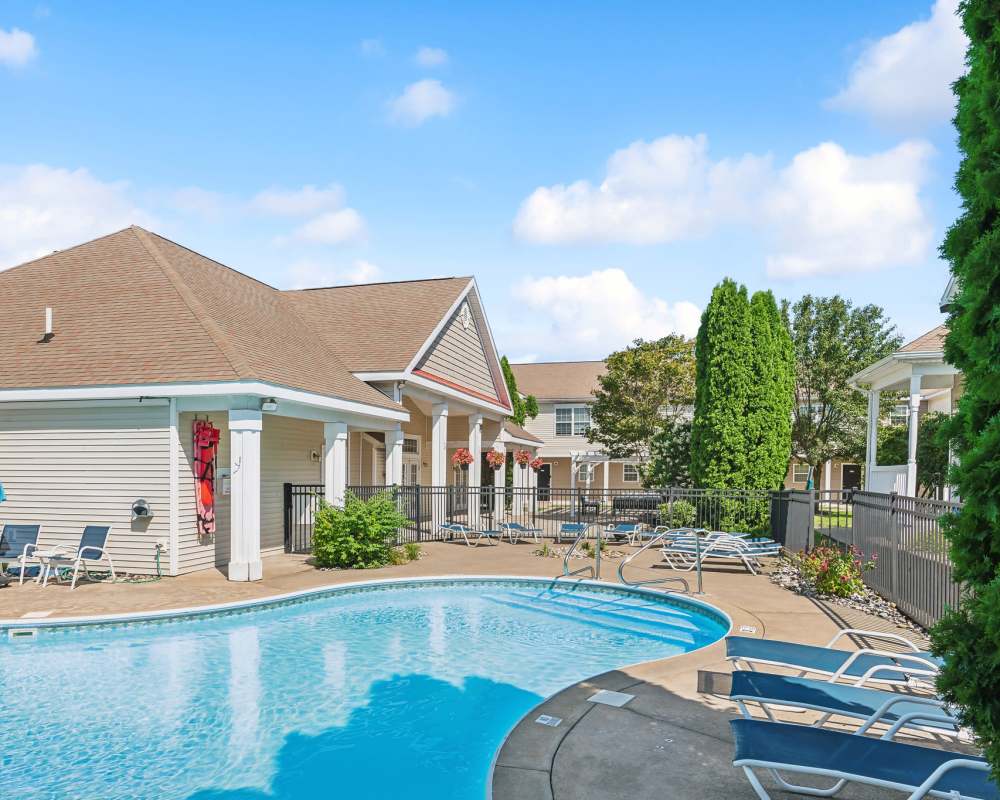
834 571
357 536
412 550
679 514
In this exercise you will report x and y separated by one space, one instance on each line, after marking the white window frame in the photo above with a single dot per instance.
574 423
625 477
585 472
899 415
795 469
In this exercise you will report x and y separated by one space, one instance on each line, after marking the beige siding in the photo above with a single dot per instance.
561 476
66 467
195 552
459 356
544 427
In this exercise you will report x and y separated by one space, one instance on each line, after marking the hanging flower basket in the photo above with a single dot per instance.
462 458
537 464
495 459
523 458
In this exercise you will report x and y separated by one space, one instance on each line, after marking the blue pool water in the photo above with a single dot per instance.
385 692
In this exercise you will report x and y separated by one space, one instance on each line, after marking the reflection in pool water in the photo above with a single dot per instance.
400 691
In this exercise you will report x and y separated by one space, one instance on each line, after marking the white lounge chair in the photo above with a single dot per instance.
91 550
685 553
458 529
17 546
515 530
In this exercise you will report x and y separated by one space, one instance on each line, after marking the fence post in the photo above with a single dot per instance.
288 517
811 529
894 539
670 506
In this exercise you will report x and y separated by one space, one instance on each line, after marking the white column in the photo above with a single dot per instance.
335 462
475 468
394 456
439 444
911 437
606 470
244 460
871 451
520 489
572 472
827 473
499 486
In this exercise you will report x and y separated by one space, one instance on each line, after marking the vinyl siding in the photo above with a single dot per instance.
544 427
458 355
69 466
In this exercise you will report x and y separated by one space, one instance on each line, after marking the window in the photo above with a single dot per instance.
899 415
800 473
630 473
572 420
411 445
585 473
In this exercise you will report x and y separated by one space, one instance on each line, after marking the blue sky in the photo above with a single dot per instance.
597 168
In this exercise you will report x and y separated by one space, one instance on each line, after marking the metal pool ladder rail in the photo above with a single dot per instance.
595 571
659 537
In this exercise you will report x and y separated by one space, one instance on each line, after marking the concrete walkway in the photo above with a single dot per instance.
670 741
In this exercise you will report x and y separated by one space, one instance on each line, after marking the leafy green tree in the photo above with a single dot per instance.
769 406
643 390
833 341
670 456
969 636
522 408
932 450
358 536
720 440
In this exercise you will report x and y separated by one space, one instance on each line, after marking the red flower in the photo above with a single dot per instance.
495 458
462 457
522 457
536 464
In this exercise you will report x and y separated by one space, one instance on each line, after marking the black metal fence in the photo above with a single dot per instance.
913 569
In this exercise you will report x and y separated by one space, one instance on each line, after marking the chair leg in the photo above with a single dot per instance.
76 572
20 580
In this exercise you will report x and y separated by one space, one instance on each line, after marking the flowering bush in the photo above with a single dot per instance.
536 464
462 457
495 459
834 571
522 457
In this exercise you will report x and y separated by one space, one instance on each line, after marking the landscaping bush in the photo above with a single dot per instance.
679 514
358 536
834 571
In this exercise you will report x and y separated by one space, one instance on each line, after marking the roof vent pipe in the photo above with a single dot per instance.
48 325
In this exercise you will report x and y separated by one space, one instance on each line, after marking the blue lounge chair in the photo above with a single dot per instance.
850 758
91 550
629 531
684 553
515 530
458 529
571 530
862 666
872 706
17 546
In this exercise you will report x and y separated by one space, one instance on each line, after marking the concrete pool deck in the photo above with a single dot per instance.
669 741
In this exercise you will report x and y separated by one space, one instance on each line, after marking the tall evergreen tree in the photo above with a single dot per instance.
969 636
769 407
723 387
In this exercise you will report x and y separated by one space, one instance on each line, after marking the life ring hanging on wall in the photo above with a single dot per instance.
206 449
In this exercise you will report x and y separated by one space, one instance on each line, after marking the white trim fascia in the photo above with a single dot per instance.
493 343
135 403
379 377
439 327
510 438
468 399
178 390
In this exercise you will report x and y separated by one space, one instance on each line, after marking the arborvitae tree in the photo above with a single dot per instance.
969 637
522 408
769 408
723 387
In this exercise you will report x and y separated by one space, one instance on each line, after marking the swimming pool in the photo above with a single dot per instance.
390 689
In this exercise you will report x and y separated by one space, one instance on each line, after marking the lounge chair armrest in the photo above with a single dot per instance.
893 637
917 661
926 716
956 763
28 550
935 707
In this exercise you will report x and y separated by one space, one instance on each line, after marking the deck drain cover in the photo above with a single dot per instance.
616 699
552 722
747 629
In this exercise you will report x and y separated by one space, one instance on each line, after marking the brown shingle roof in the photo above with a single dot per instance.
517 431
559 380
135 308
930 342
397 319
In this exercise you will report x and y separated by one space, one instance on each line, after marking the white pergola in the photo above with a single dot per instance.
918 370
580 457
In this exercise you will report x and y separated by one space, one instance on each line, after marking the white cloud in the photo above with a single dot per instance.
17 47
594 314
310 274
45 208
905 78
827 211
431 57
332 227
420 102
831 212
371 48
657 191
201 202
298 202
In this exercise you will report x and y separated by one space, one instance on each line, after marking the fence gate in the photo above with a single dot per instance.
793 519
301 504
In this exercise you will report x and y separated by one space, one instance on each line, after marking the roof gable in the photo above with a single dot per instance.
397 319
